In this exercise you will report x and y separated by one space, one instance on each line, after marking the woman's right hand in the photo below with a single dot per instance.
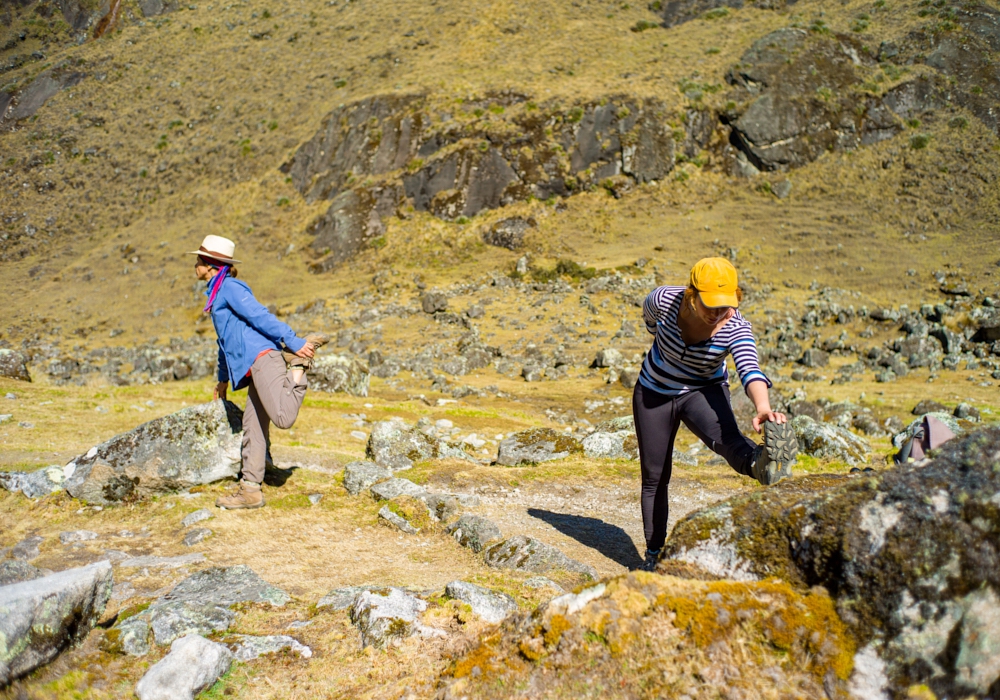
220 390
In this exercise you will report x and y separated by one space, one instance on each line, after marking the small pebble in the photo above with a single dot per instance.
315 498
10 396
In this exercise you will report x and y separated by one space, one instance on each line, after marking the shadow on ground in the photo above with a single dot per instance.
610 540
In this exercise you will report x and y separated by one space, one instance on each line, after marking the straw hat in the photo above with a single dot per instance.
218 249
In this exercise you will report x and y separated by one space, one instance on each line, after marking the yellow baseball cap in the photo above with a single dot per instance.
715 280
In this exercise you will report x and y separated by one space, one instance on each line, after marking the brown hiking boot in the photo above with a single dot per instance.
293 361
248 495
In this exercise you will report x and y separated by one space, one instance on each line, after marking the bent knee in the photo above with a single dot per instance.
284 422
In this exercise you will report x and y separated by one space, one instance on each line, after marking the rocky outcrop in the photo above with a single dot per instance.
196 445
382 617
44 87
339 373
536 445
14 571
396 445
508 233
40 618
459 167
13 365
830 441
361 474
911 556
528 554
193 664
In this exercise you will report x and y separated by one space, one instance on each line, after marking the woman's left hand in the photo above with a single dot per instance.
307 350
764 416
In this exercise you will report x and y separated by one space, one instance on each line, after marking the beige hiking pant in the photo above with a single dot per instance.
272 398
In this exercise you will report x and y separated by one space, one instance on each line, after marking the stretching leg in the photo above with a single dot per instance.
280 395
708 414
256 434
655 427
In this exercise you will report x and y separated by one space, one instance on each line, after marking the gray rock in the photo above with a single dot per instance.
536 445
172 621
340 373
42 617
199 534
193 664
155 562
130 636
196 517
383 618
965 411
152 8
315 498
814 357
492 606
614 425
27 549
396 445
532 373
928 406
394 488
251 647
542 582
830 441
196 445
15 571
397 521
360 475
442 506
609 357
508 233
781 189
528 554
342 598
353 221
433 301
13 364
77 536
474 532
628 377
36 484
621 444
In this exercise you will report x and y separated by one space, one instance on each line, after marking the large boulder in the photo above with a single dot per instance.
41 617
474 531
621 444
13 365
196 445
396 445
536 445
339 373
361 474
382 617
829 441
193 664
911 556
528 554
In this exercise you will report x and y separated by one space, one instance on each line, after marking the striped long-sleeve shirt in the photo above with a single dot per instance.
673 368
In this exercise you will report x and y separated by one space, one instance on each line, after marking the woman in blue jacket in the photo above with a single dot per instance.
251 357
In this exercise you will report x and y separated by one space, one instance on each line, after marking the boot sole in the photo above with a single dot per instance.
782 449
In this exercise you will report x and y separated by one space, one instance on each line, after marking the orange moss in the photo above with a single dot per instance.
482 656
557 624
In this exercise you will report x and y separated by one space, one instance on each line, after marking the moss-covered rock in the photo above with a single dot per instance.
911 556
536 445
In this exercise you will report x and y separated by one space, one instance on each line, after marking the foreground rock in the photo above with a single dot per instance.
196 445
339 373
912 556
36 484
536 445
384 618
490 605
13 365
528 554
193 664
42 617
830 441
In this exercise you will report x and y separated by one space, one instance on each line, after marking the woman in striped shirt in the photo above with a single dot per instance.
684 380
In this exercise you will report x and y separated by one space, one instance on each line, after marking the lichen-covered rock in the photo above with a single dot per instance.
621 444
361 474
339 373
36 484
382 618
342 598
830 441
528 554
40 618
251 647
14 571
651 621
13 365
394 488
474 531
391 519
193 664
536 445
492 606
196 517
508 233
609 357
196 445
911 556
396 445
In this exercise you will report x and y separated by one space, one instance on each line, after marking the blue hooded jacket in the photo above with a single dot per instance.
245 328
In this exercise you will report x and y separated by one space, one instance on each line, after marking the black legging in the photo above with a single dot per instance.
708 414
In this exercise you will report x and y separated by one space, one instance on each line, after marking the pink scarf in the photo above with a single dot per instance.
219 277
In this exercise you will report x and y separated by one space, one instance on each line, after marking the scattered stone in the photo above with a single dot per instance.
621 444
536 445
396 521
533 373
196 445
394 488
13 365
508 233
492 606
395 445
315 498
193 664
528 554
251 647
965 411
27 549
542 582
384 618
14 571
77 536
130 636
814 357
41 617
442 506
36 484
830 441
360 475
154 562
340 373
928 406
342 598
196 517
433 302
781 189
197 535
629 376
609 357
474 532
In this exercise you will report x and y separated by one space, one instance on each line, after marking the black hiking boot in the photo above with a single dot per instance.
650 562
773 460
